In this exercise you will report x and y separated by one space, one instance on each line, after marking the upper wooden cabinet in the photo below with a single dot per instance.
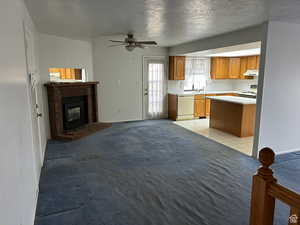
219 68
252 62
244 62
177 68
257 62
233 67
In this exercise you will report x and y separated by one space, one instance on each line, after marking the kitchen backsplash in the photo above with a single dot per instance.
244 85
216 85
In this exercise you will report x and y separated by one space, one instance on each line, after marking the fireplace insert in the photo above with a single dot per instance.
74 112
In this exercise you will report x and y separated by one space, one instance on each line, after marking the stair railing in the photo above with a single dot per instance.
265 190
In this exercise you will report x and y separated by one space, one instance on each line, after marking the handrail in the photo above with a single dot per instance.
265 191
285 195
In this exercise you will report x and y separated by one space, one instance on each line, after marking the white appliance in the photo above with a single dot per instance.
185 107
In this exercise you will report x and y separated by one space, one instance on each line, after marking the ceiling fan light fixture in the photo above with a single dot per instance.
131 43
130 48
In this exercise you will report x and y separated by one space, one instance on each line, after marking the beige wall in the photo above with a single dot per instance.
280 94
18 168
120 73
59 52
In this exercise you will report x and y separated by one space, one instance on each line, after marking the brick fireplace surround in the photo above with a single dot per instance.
57 95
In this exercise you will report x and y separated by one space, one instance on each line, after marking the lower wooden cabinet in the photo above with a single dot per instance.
177 106
207 107
199 106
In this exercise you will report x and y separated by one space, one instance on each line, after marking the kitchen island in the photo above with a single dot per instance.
234 115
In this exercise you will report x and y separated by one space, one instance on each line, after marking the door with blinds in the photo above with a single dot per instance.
154 88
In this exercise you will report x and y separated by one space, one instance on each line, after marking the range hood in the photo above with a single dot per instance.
251 73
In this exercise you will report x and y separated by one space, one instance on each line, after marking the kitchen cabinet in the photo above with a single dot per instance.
243 67
181 107
199 106
219 68
177 68
236 118
252 62
208 101
207 107
234 68
257 62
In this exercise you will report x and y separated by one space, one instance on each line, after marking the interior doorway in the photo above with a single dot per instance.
154 88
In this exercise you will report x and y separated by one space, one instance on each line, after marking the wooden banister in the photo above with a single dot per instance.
265 191
285 195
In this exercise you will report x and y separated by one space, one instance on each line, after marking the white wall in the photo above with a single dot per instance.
280 120
244 85
243 36
65 53
17 164
120 74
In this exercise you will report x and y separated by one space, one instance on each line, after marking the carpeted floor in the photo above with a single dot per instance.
151 173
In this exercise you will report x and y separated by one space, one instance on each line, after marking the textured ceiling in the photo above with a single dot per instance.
169 22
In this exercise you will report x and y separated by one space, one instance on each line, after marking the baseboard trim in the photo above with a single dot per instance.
287 151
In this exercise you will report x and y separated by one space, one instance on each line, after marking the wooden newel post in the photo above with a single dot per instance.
262 204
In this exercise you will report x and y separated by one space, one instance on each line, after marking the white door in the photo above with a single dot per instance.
33 93
154 88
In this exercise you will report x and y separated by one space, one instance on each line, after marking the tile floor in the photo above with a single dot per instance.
201 126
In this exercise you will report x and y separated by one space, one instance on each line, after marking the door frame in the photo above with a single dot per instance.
145 71
32 82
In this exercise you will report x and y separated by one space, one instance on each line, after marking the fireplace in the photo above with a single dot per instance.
74 112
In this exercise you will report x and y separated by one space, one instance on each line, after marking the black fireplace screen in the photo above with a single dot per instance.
74 112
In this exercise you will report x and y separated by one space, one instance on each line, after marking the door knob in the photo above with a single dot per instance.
39 115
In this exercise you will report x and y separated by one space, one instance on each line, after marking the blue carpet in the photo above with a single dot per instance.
151 173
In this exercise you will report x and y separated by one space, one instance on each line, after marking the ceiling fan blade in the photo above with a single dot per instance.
116 45
117 41
146 42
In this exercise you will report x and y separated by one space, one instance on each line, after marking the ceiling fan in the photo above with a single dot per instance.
131 43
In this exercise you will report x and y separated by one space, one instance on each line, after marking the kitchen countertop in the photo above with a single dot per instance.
189 93
234 99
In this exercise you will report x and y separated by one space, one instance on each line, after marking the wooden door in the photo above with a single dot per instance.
219 68
171 68
207 107
180 67
243 67
257 62
177 68
199 107
234 68
252 62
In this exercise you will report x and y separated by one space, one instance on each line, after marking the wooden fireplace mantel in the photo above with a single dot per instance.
56 92
71 84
